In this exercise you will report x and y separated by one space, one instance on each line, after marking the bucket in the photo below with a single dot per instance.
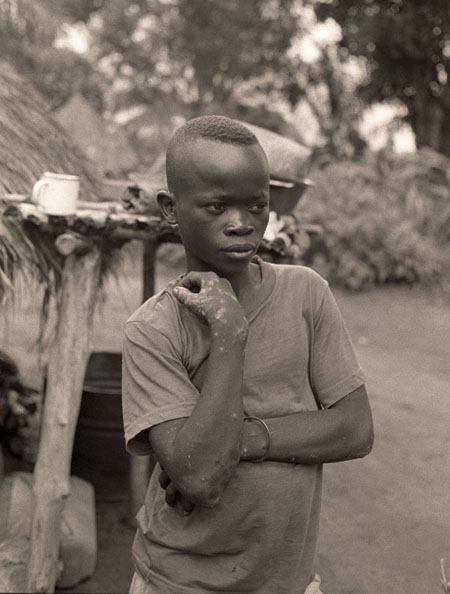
99 454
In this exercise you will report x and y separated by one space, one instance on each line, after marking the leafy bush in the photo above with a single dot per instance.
383 220
19 412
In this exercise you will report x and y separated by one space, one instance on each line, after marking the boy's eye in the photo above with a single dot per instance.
258 208
216 207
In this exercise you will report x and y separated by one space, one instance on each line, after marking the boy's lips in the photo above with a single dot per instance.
240 251
240 247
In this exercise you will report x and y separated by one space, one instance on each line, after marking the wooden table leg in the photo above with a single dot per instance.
67 364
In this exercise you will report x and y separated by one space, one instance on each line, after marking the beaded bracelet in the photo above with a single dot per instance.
268 436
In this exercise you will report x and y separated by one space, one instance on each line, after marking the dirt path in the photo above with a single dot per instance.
386 520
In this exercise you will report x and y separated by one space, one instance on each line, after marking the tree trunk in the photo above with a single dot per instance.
445 134
431 124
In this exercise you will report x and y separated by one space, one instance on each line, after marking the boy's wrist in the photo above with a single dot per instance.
231 333
256 439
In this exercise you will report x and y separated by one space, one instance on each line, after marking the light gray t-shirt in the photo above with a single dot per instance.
261 538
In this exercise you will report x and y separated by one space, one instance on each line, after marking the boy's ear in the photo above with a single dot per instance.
166 202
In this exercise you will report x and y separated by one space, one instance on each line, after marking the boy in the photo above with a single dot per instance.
241 379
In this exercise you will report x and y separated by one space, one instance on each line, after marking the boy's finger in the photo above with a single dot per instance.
164 479
171 495
182 294
192 281
186 505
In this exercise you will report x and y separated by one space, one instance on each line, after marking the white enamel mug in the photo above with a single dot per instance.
57 193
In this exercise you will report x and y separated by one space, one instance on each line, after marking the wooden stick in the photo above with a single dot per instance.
14 197
111 205
445 584
70 242
67 364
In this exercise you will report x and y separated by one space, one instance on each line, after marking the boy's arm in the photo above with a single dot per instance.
342 432
199 453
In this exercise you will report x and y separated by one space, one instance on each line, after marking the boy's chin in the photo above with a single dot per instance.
229 269
234 267
227 264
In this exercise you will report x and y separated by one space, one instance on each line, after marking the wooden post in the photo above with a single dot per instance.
150 248
67 364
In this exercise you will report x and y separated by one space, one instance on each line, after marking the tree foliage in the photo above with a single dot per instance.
407 47
165 57
384 220
157 58
28 34
188 57
193 52
327 85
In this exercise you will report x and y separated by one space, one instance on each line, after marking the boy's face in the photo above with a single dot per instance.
221 205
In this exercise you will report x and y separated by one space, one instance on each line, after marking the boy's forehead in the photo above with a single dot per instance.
198 154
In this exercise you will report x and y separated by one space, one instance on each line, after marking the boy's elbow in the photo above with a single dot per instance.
201 492
364 441
364 449
208 498
205 485
360 426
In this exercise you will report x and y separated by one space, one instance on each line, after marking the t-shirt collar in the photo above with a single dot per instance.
268 279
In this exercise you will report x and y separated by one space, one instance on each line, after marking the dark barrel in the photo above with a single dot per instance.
99 454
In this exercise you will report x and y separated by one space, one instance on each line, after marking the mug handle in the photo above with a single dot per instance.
37 189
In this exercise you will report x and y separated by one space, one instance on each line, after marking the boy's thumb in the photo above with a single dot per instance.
181 294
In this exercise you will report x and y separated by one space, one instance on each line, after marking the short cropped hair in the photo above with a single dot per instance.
209 127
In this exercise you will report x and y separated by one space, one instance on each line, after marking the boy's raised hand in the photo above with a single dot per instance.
212 299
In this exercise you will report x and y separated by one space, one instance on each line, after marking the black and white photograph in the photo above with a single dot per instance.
225 296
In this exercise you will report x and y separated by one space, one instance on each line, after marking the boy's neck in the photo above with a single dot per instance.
245 283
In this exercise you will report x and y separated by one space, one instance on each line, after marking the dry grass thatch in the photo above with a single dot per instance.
23 251
29 259
31 142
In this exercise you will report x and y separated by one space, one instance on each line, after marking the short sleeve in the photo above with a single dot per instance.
334 369
155 384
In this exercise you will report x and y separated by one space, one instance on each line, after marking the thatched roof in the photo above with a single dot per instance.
31 142
102 141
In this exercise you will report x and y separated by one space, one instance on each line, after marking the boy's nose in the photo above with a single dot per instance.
241 228
239 225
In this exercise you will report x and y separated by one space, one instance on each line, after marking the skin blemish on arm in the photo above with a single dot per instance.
220 313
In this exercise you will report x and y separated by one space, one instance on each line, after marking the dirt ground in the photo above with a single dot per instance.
385 519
